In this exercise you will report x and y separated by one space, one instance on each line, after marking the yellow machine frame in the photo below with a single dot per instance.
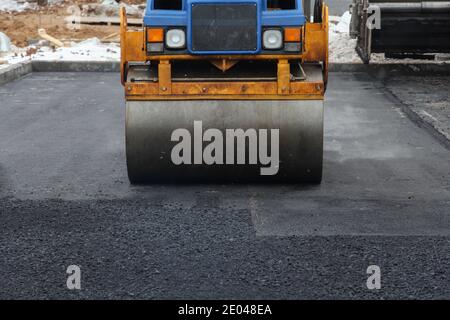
315 50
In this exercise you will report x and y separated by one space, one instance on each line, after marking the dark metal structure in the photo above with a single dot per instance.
400 28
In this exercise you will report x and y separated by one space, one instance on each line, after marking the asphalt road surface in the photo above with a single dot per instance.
65 199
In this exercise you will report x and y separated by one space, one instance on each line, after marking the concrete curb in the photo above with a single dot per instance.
15 72
381 70
378 70
374 69
76 66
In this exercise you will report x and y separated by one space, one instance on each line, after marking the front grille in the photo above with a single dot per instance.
224 27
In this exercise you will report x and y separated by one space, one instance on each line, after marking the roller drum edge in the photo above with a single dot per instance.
155 128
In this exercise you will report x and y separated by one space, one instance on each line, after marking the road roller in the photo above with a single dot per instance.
225 90
401 28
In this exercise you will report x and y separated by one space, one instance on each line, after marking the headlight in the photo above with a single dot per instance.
175 39
272 39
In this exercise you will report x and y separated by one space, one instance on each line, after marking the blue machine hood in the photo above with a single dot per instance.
281 18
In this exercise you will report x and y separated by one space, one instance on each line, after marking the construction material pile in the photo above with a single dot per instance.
82 30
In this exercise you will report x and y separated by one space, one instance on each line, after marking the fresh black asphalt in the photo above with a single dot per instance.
65 199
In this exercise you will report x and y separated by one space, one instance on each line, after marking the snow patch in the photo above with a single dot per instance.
342 47
89 50
5 43
15 56
14 6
